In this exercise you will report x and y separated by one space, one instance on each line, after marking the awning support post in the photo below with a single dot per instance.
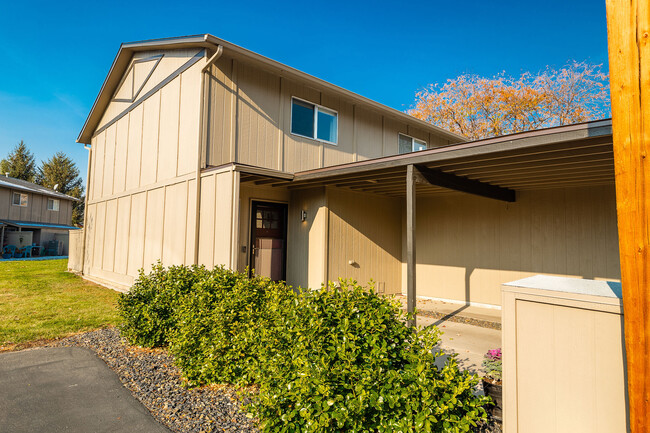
410 242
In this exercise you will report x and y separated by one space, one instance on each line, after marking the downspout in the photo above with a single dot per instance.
199 150
83 245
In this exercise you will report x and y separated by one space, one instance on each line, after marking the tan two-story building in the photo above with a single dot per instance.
31 214
204 152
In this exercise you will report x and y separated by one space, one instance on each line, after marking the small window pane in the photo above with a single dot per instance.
405 144
52 204
302 118
19 199
327 125
419 145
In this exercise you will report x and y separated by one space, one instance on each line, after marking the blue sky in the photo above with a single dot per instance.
54 56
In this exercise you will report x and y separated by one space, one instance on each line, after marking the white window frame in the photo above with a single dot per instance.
20 200
412 143
55 201
316 108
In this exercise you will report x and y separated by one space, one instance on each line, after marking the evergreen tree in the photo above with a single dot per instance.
19 163
62 171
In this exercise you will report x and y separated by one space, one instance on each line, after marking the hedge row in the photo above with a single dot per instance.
328 360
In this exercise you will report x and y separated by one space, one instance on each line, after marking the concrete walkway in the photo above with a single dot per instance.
446 311
470 342
66 389
469 331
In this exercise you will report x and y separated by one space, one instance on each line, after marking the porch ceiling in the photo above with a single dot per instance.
575 155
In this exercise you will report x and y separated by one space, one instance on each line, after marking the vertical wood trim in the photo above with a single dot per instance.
383 135
103 161
628 27
178 128
326 237
160 103
234 221
187 218
354 133
217 178
115 138
141 148
117 217
162 232
101 265
126 145
410 241
281 129
234 112
144 227
85 227
128 234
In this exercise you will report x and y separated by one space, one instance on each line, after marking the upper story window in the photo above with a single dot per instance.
409 144
314 121
19 199
53 204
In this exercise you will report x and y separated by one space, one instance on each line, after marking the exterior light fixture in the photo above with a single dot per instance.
303 215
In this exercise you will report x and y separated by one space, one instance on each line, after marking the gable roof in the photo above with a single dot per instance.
125 53
23 185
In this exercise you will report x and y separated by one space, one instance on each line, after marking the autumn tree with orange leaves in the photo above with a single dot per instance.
479 107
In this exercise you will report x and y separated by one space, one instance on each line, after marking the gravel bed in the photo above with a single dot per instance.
154 380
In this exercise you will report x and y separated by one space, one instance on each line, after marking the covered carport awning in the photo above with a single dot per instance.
35 225
497 168
574 155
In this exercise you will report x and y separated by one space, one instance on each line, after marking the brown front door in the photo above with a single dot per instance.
269 240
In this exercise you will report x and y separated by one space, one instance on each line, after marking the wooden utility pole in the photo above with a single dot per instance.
628 33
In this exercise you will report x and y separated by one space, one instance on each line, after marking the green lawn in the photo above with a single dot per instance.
40 300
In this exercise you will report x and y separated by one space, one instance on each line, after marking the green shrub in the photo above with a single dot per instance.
351 364
329 360
148 309
224 325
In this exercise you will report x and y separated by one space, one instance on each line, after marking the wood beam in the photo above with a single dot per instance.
410 242
628 34
463 184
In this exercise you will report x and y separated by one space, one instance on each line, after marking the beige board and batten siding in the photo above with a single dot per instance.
36 209
218 216
365 239
142 182
307 240
468 246
342 227
249 122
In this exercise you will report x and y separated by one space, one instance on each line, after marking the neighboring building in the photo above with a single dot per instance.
32 214
305 181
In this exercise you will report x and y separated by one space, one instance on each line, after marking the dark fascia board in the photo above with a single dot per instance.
120 64
123 58
522 140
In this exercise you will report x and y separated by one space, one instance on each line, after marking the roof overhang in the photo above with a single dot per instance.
573 155
36 189
125 53
35 225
